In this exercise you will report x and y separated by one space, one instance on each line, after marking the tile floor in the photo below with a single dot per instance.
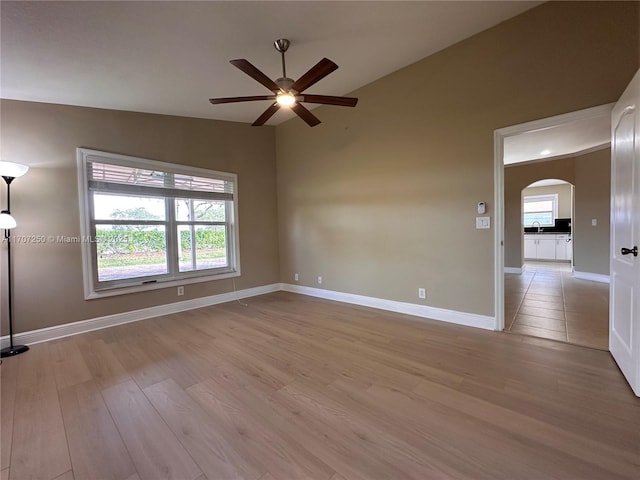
547 301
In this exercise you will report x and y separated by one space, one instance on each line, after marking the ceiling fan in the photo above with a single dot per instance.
288 92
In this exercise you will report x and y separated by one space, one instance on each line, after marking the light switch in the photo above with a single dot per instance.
594 222
483 222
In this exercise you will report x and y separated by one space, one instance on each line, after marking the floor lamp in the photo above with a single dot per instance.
9 171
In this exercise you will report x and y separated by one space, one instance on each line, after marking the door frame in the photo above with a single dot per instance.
498 192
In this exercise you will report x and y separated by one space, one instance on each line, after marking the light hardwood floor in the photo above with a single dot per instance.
292 387
547 301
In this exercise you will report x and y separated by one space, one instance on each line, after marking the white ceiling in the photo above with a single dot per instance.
171 57
565 139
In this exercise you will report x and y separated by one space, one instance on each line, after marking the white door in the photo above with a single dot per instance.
624 310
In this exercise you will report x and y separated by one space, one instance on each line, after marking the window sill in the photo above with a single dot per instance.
91 294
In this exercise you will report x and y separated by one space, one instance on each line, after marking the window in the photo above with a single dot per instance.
540 208
148 224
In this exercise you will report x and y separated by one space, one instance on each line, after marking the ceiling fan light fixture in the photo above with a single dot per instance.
285 99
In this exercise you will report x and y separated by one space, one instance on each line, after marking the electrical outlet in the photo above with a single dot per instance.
319 280
422 293
296 277
180 291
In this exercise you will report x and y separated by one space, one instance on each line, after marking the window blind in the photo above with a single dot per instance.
125 179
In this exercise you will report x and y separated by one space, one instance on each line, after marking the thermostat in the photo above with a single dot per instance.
482 208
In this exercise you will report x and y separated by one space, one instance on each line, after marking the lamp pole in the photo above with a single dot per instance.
8 222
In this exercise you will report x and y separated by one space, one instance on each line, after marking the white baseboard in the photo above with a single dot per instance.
423 311
515 270
83 326
594 277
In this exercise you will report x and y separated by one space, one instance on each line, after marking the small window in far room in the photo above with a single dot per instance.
540 208
148 224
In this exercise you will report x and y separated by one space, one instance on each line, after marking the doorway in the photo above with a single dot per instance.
530 284
545 300
547 209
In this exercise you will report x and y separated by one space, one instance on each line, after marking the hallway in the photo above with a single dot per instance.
547 301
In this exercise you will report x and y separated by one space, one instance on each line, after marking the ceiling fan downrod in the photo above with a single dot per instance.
282 45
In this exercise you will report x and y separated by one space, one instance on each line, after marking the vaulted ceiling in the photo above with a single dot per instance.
171 57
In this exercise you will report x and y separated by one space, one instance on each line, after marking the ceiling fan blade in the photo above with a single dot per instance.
216 101
268 113
305 114
256 74
316 73
330 100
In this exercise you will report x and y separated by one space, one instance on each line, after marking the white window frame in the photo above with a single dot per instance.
541 198
93 288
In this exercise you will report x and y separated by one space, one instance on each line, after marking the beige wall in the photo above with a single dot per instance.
593 201
381 199
564 196
591 175
48 277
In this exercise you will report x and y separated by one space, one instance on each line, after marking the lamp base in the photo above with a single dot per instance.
11 351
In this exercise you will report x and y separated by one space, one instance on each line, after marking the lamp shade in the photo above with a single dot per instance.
7 221
10 169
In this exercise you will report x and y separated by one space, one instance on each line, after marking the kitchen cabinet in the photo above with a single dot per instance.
547 246
530 246
564 247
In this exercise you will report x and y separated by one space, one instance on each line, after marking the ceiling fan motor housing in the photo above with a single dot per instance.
285 84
